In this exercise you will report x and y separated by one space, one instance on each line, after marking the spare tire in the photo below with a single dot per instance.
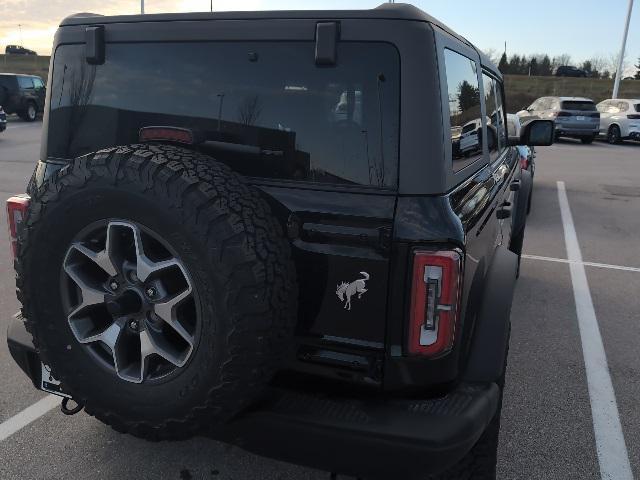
158 287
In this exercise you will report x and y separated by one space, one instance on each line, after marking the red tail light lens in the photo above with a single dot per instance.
170 134
435 298
16 212
524 163
633 117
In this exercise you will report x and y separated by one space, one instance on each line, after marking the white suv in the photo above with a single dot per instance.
620 119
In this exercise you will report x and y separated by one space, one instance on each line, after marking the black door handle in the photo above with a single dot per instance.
504 211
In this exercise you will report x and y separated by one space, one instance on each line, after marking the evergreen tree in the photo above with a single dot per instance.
545 66
514 64
468 96
503 66
533 66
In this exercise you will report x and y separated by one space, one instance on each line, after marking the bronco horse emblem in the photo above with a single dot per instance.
347 290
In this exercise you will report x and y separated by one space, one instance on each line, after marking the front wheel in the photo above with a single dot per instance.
30 113
613 135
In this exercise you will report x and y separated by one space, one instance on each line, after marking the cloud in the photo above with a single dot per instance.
38 19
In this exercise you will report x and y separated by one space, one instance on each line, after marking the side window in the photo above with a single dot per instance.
25 82
464 109
491 107
38 83
502 129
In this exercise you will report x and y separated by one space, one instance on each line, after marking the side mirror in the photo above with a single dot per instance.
534 133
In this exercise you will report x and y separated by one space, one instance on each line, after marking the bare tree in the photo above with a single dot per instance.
249 110
563 59
612 63
598 64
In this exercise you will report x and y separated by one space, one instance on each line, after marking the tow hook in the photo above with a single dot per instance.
64 408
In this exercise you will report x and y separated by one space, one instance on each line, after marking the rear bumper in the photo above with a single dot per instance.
361 436
569 131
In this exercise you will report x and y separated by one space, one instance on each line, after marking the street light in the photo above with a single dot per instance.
141 7
616 83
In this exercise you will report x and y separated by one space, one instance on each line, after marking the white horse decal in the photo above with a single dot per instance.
348 290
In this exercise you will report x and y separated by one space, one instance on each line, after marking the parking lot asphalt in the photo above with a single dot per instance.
547 425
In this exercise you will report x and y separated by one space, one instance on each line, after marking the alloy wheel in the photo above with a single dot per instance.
130 301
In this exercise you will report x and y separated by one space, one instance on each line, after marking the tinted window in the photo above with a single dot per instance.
491 107
265 108
37 82
578 105
25 82
637 107
464 109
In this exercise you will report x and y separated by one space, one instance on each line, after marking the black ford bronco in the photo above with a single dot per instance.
277 229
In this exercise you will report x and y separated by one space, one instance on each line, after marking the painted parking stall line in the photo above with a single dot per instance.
613 457
28 415
586 264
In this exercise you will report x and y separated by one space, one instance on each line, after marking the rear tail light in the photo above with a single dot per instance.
633 117
168 134
595 115
435 298
16 212
524 162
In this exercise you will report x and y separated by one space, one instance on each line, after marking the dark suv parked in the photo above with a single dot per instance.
18 50
248 225
569 71
22 94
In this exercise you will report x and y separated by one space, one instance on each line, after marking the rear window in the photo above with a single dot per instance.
579 105
299 121
637 107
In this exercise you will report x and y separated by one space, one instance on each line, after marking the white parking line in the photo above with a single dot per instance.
586 264
28 415
610 445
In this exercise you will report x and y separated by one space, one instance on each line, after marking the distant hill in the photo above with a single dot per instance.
521 90
31 64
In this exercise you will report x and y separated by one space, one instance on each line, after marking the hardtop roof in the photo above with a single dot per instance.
386 11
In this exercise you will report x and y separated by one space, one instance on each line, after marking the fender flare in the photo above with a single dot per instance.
485 360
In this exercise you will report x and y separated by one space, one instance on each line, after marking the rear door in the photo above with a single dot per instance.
321 144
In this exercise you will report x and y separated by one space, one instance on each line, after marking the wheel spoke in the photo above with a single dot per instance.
90 295
153 343
100 258
166 311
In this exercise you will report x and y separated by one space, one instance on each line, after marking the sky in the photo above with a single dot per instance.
580 28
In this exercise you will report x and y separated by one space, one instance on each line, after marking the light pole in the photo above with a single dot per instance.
20 30
141 7
619 73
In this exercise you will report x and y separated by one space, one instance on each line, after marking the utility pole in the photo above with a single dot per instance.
20 30
619 73
142 7
211 6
